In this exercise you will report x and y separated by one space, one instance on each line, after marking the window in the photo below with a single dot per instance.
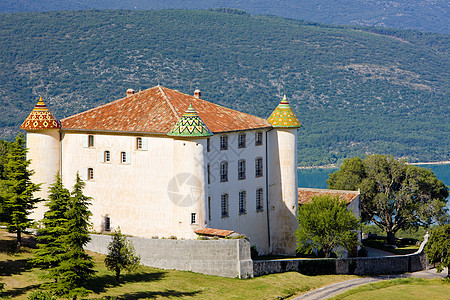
242 204
107 224
90 141
223 171
209 208
224 142
241 169
208 171
106 156
259 199
123 157
241 140
139 143
208 144
259 167
90 173
258 138
193 218
224 205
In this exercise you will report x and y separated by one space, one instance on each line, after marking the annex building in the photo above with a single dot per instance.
160 163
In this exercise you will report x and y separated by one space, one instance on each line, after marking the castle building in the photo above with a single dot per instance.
160 163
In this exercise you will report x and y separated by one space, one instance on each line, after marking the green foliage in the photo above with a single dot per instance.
346 84
394 195
41 295
65 234
438 247
16 190
54 226
325 224
121 255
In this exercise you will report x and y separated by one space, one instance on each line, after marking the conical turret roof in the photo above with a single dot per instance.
283 116
40 118
190 125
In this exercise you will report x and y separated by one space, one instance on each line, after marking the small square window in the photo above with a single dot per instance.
241 140
224 142
258 138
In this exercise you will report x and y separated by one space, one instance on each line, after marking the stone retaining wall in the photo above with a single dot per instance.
226 258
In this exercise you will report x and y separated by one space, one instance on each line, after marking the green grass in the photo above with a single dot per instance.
21 279
380 243
400 288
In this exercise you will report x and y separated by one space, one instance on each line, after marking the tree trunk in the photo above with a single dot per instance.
117 274
390 238
19 239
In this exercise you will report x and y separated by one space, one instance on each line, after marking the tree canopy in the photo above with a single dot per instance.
394 195
438 247
325 225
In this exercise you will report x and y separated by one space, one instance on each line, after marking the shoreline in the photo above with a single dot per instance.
334 166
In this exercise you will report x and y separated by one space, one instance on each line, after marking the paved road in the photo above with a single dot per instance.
337 288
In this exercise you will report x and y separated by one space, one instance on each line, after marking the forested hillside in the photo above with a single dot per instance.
356 90
421 15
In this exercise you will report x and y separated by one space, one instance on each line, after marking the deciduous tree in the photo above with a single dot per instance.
438 248
326 224
121 255
394 195
16 190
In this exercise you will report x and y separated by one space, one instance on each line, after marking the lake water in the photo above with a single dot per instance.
316 178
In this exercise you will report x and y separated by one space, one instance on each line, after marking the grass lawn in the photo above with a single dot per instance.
380 243
21 279
401 288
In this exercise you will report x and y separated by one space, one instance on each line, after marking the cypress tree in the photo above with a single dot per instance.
17 190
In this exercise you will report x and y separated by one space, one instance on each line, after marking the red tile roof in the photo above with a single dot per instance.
305 194
156 110
214 232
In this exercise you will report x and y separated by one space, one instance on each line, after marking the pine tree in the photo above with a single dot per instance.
50 246
75 266
121 255
17 190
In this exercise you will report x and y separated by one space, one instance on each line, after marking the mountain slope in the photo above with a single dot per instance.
356 90
421 15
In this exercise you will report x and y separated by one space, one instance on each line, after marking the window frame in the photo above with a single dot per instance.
224 205
259 167
224 171
259 199
224 142
193 218
107 224
106 156
90 173
123 157
258 138
242 202
139 143
242 141
241 169
90 141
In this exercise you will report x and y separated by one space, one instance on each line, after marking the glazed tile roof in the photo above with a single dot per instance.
283 116
157 110
305 194
214 232
40 118
190 125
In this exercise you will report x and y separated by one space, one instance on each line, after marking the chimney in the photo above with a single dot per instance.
130 92
197 93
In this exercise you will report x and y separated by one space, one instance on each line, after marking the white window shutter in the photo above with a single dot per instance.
128 158
101 157
86 141
84 174
144 143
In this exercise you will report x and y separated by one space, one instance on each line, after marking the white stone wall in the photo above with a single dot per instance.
154 193
253 223
43 151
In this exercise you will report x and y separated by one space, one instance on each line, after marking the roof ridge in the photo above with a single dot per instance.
168 102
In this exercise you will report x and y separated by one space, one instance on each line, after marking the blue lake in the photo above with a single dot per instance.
316 178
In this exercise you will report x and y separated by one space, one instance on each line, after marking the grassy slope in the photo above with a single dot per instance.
356 90
21 279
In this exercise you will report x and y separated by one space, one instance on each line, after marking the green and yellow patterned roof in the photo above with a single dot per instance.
283 116
190 125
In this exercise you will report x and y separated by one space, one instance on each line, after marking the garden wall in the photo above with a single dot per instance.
226 258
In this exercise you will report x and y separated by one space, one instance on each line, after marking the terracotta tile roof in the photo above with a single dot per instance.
305 194
283 116
214 232
156 110
40 118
